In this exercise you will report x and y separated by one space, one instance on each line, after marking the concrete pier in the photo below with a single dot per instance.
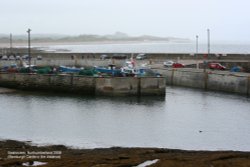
111 86
210 80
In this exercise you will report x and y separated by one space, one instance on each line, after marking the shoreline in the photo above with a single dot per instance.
48 44
116 156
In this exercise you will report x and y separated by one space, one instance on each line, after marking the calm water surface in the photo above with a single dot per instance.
183 119
150 47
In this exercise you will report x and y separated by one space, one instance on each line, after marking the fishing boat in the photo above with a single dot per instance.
131 69
110 70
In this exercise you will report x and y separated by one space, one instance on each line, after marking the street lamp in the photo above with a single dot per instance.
197 50
29 30
10 44
208 49
208 42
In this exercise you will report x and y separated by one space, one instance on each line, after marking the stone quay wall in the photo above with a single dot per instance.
208 80
111 86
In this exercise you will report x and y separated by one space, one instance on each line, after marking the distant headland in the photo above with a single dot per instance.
116 37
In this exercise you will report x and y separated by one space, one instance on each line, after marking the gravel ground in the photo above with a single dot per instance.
59 155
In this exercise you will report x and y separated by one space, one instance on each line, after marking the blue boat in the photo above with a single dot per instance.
143 72
110 70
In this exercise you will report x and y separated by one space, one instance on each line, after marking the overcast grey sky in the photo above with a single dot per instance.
228 20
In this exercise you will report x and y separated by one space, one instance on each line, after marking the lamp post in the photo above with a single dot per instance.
208 50
197 50
208 42
28 31
10 44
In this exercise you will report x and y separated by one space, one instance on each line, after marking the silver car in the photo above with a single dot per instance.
168 63
11 57
4 57
18 58
141 56
39 57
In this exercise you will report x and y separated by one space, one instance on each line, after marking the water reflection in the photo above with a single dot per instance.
184 118
49 96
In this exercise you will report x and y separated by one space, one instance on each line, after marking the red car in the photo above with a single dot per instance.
178 65
216 66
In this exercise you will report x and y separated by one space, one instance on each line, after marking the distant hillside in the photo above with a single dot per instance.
118 36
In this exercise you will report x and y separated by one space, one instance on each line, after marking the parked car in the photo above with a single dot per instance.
168 63
39 57
216 66
236 69
4 57
11 57
103 57
178 65
24 57
18 58
141 56
173 64
119 56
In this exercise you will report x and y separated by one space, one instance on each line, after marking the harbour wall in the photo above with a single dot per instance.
111 86
65 62
209 80
94 59
173 56
119 63
158 56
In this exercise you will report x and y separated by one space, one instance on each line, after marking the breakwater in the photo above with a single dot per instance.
208 80
111 86
95 59
161 56
120 55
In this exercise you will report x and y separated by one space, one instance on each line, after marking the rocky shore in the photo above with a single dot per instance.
14 153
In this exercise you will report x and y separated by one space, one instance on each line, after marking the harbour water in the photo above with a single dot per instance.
183 119
149 47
